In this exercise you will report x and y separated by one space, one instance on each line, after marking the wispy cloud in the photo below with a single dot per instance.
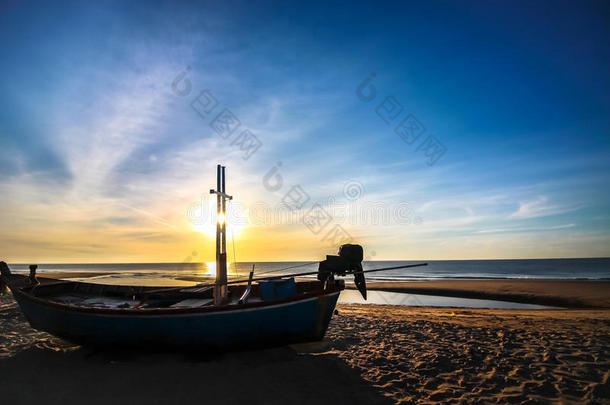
525 229
540 207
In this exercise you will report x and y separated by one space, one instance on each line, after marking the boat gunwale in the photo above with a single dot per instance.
19 291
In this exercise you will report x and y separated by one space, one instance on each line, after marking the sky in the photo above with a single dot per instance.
421 130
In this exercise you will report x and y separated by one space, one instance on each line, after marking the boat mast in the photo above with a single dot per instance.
220 286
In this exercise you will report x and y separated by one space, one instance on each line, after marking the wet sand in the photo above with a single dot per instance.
371 354
560 293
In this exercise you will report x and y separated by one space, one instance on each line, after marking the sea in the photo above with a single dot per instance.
171 274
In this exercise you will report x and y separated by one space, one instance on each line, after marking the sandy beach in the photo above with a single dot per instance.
427 355
371 354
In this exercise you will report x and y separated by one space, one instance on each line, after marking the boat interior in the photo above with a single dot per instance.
88 295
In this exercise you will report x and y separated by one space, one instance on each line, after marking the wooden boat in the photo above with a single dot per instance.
126 315
243 313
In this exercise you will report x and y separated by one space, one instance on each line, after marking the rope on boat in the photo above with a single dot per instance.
309 273
278 270
286 268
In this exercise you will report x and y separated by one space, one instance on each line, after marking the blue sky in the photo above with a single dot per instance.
101 160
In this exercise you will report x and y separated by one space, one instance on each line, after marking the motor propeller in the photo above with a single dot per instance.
348 261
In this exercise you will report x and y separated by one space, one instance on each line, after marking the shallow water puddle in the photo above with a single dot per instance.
395 298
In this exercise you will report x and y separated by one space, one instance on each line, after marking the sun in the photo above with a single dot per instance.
207 219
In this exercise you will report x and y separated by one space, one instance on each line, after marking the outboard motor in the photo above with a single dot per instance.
32 276
349 261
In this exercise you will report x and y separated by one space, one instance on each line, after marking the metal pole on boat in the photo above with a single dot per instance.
220 285
218 216
224 215
222 266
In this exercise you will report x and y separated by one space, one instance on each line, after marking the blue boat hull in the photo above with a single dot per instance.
288 322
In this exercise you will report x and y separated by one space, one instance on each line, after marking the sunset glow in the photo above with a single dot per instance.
206 224
107 154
